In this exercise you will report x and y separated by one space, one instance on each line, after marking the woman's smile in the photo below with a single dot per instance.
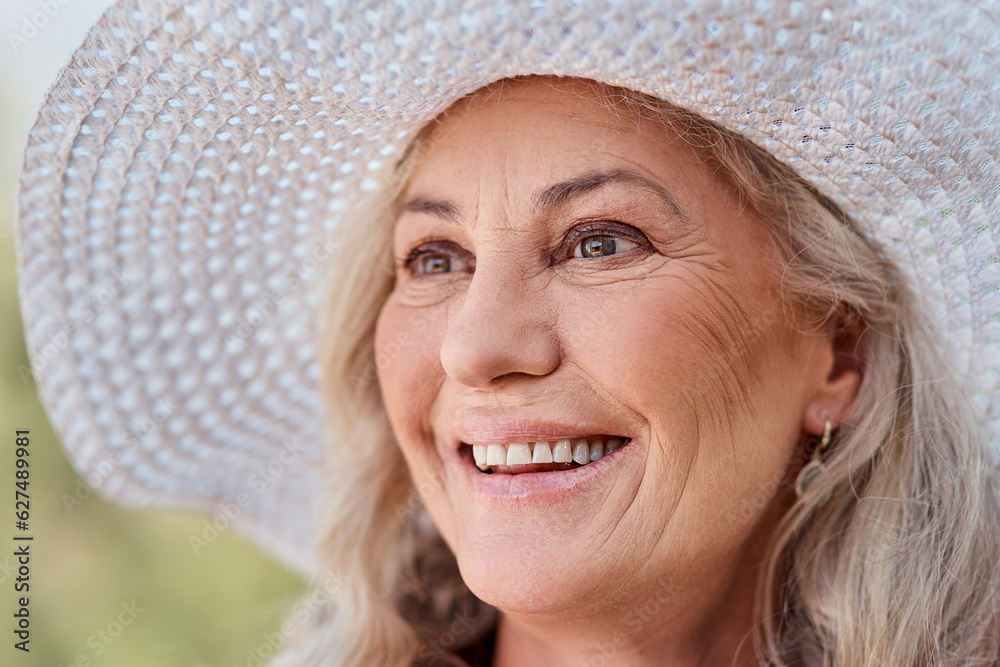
540 456
504 454
547 482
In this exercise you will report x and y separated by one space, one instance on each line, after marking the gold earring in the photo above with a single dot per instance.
815 467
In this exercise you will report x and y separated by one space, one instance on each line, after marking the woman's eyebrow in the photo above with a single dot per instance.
561 194
442 208
553 197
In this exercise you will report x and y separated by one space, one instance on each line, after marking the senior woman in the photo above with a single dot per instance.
655 335
626 332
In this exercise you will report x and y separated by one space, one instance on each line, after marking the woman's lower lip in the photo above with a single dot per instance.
539 485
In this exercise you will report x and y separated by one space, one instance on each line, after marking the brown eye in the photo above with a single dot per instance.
602 245
598 246
434 259
435 264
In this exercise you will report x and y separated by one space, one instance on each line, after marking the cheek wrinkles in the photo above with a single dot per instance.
729 334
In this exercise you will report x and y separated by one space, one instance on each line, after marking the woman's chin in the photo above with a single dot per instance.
524 595
521 577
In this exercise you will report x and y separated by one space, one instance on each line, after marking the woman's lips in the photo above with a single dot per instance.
549 484
544 456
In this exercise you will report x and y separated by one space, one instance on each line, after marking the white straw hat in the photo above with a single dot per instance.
187 176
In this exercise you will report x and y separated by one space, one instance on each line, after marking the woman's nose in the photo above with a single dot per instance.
503 327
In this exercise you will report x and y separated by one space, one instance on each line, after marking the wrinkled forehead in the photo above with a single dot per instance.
561 120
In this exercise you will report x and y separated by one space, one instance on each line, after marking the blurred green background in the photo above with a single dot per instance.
209 610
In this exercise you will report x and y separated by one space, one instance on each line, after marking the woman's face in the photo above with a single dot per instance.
567 271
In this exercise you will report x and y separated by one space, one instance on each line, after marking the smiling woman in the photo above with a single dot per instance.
626 331
644 344
705 419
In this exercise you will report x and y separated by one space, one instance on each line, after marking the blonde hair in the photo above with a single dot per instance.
890 558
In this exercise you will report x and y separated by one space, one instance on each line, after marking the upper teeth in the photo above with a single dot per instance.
581 451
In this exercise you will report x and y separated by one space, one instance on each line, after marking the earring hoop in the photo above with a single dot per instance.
815 467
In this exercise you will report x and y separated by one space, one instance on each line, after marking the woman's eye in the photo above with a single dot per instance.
431 261
602 245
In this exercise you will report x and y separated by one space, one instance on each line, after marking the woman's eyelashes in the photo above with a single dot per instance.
591 240
431 258
588 242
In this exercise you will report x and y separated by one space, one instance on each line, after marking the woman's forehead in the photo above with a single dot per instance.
540 129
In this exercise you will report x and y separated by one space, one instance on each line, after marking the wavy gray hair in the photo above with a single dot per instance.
890 558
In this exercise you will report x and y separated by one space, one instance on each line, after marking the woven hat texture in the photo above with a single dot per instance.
187 176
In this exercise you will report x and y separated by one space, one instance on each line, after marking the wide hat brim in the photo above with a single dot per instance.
186 179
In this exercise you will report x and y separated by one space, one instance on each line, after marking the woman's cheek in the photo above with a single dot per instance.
661 339
407 357
395 337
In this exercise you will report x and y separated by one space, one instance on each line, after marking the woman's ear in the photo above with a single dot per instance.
845 370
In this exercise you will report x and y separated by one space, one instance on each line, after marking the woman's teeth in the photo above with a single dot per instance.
579 450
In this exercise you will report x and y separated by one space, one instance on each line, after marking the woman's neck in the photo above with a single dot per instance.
645 635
